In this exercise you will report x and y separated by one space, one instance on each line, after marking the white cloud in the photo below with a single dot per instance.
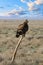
32 6
4 14
12 12
20 8
23 1
38 2
16 12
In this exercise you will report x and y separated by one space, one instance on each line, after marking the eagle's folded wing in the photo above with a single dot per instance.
21 26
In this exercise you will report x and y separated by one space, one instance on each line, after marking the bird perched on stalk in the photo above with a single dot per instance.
22 29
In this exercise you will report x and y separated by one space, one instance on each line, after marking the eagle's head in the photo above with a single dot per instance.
26 21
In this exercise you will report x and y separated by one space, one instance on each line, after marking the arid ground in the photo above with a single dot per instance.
30 51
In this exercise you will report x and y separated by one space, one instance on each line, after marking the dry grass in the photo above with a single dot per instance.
30 51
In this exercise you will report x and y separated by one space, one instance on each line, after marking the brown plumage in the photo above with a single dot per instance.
22 29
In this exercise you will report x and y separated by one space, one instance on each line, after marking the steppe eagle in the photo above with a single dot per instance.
22 29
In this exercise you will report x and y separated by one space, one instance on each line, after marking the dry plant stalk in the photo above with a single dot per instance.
15 51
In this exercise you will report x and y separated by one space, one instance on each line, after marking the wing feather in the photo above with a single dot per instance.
21 26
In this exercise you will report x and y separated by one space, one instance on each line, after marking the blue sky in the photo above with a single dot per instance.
32 9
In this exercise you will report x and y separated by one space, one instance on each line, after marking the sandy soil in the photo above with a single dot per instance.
30 51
